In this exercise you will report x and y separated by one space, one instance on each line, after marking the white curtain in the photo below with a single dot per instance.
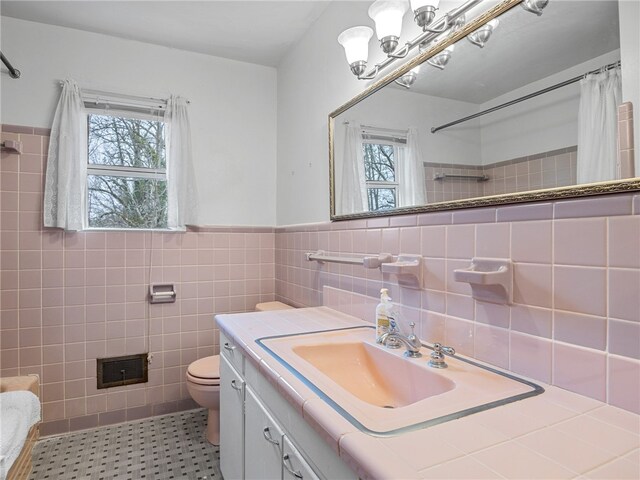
410 171
66 179
600 95
353 195
182 193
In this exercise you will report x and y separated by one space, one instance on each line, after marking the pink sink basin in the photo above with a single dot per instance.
383 393
373 375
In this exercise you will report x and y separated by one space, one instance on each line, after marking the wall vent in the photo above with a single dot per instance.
118 371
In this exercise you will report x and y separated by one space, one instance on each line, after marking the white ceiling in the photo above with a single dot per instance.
251 31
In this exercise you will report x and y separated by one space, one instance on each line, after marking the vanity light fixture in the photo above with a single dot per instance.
441 59
355 41
387 15
480 36
534 6
409 78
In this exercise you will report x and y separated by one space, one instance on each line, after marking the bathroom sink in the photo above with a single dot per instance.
383 393
373 375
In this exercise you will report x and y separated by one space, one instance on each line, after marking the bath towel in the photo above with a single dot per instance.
19 411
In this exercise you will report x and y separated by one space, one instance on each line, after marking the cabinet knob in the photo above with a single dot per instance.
268 437
286 461
234 386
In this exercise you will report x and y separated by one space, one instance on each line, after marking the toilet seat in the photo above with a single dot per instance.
205 371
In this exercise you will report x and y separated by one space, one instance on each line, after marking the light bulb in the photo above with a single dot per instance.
355 41
387 15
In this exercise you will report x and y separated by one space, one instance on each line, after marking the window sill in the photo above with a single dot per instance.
163 230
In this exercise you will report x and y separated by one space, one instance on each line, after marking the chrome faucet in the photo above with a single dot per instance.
437 356
393 338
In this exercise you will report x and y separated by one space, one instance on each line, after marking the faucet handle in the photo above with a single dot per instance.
439 348
437 356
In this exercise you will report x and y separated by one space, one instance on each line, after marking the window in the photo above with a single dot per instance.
126 171
380 153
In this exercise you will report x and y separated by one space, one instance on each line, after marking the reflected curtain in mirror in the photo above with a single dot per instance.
411 181
600 96
353 196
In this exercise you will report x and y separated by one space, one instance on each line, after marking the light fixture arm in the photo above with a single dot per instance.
371 75
402 84
445 26
403 52
425 37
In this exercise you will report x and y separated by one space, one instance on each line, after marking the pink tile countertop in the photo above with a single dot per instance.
558 434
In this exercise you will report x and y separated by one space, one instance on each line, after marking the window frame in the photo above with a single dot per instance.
130 111
394 138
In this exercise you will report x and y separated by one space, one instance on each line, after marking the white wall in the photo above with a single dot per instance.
543 123
233 106
629 11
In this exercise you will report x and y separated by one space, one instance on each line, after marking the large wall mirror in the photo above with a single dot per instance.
441 143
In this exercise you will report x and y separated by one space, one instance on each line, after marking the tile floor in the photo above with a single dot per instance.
158 448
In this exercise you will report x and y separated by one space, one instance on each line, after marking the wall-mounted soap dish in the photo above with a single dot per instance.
408 269
12 146
491 279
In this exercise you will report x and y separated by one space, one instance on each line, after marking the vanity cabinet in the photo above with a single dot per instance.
262 441
261 435
232 392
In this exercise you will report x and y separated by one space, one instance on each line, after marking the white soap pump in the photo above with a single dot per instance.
382 313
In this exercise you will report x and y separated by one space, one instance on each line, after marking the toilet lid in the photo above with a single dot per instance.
206 368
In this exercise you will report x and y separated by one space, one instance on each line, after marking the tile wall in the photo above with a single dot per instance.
69 298
575 320
556 168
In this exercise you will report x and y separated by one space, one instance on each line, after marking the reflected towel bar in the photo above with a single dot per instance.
366 262
443 176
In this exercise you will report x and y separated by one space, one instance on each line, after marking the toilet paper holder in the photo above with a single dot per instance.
162 293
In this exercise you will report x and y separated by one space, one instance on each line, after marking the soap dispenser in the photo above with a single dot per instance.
382 313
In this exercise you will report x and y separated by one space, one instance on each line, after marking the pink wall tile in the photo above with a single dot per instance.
532 284
461 241
580 289
624 383
585 330
492 345
580 242
624 233
493 314
531 356
624 338
434 241
459 334
624 300
531 241
493 240
580 370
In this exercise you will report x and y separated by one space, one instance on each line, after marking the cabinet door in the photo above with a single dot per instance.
262 441
294 466
231 422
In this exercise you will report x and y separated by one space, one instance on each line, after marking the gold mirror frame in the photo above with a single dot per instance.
589 189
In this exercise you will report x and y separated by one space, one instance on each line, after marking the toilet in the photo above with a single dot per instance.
203 381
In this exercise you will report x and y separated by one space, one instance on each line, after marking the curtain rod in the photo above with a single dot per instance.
527 97
13 72
162 102
385 129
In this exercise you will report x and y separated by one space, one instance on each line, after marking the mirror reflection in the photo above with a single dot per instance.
523 103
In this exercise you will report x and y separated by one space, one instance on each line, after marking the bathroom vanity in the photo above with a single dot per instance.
280 419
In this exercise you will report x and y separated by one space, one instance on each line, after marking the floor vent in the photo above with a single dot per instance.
118 371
